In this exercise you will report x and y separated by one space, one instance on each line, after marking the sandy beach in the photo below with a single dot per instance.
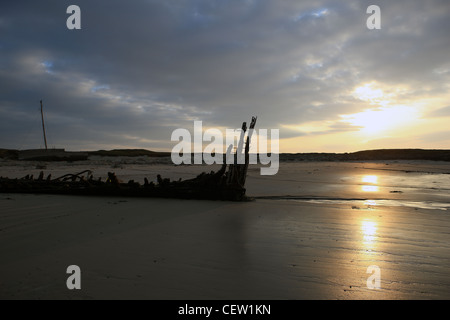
311 232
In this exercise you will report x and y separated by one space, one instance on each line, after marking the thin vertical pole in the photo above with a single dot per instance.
43 126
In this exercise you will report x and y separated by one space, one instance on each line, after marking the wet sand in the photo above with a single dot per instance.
311 233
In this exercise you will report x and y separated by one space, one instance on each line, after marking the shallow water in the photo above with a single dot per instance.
360 185
370 204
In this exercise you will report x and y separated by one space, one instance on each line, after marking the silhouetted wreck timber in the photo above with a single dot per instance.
228 183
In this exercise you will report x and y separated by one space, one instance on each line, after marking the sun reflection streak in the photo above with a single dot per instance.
369 230
370 203
370 179
369 188
369 239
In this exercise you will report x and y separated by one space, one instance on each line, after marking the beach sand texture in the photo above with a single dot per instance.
311 233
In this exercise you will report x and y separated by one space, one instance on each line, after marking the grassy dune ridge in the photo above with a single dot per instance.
366 155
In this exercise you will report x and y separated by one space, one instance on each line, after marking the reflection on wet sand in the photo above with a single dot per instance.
368 239
369 188
370 203
372 180
369 229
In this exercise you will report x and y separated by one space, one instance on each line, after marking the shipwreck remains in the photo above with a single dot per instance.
228 183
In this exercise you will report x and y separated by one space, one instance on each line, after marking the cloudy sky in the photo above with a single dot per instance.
137 70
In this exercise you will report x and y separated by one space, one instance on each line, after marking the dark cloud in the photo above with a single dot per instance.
442 112
436 137
138 70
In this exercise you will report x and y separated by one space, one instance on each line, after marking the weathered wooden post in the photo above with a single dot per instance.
238 171
43 126
243 175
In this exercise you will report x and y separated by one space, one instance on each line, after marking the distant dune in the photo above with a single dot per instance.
366 155
9 154
128 153
14 154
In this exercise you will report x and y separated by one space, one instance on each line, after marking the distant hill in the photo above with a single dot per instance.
13 154
9 154
374 155
366 155
402 154
128 153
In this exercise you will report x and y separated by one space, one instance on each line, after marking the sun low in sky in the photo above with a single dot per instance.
384 114
388 119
